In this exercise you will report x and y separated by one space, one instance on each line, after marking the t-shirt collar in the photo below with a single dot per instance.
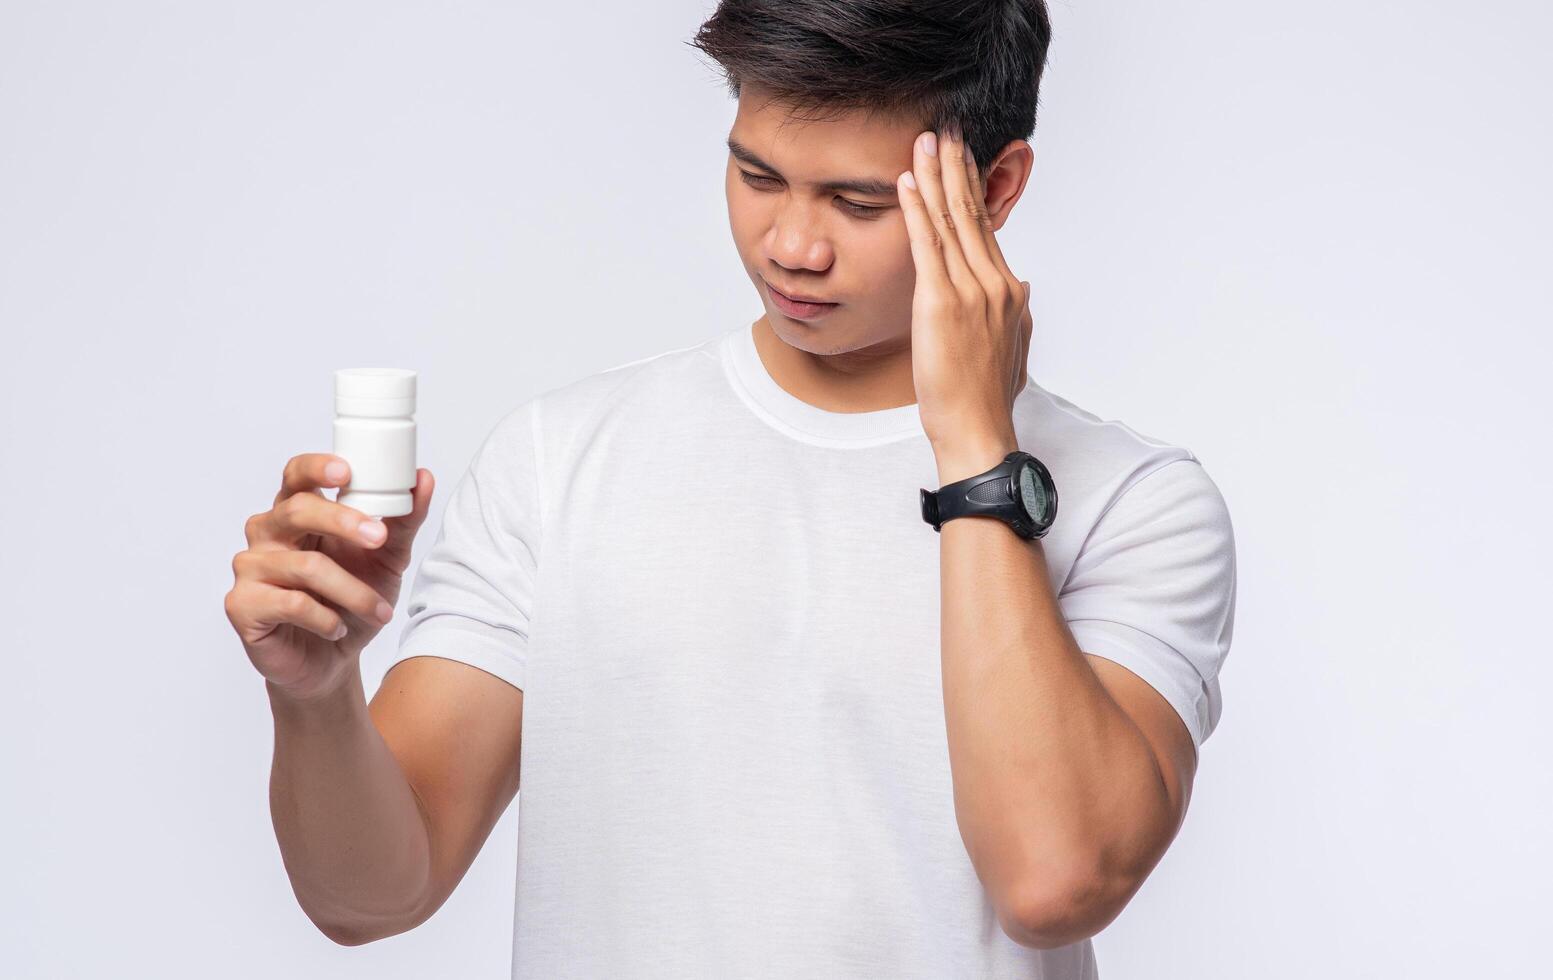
808 423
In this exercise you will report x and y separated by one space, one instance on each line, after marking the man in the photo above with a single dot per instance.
777 711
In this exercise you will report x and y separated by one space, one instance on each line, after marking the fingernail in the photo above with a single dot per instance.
385 612
339 632
930 144
910 179
373 530
336 471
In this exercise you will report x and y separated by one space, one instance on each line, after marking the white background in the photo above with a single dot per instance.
1307 241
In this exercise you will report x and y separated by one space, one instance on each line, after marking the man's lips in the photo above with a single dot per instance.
796 309
811 300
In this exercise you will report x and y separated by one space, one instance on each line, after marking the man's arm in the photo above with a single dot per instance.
1071 775
1069 778
380 809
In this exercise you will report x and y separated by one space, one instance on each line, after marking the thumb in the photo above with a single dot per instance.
401 529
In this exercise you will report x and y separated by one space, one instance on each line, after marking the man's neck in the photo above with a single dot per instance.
870 379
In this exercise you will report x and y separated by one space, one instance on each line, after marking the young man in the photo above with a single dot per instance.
779 712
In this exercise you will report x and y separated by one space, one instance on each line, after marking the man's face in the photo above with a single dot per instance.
845 245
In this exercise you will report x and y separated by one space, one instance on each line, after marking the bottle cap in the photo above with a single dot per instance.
376 392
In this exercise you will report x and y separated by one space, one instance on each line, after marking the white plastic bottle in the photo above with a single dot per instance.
374 431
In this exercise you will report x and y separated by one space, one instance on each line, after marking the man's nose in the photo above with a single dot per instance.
799 240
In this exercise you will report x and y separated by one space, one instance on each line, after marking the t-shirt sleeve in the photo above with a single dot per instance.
1153 588
472 599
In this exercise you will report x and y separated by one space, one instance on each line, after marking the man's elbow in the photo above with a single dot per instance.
347 937
343 933
1053 910
363 931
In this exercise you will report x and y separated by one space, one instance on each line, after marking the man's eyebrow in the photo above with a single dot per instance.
880 188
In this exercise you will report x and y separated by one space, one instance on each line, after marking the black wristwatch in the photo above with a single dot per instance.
1018 491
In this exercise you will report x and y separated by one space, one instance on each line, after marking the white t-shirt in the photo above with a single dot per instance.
722 605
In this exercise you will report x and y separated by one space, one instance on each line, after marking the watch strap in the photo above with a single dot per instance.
989 494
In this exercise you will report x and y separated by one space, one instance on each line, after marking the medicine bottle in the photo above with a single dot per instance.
374 431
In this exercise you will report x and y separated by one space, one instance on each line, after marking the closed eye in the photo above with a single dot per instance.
760 180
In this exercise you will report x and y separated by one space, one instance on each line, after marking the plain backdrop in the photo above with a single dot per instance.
1307 241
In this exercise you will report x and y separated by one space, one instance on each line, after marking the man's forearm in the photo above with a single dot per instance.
351 832
1058 795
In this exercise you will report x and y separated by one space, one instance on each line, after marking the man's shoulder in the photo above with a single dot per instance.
564 409
1095 457
633 386
651 369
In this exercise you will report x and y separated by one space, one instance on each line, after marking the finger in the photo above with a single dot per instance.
972 222
301 514
930 184
319 575
1027 327
402 529
979 192
926 243
310 471
260 607
421 495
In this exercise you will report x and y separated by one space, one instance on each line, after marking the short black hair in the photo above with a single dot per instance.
966 67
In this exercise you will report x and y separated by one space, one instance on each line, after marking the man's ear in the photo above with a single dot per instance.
1005 178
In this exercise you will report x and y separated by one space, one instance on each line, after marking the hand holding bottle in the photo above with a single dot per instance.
318 579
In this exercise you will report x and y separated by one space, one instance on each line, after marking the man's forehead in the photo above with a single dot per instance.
853 151
760 110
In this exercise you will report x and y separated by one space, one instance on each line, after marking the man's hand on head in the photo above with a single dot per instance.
970 317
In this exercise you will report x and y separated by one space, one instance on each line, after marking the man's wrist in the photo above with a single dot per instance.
969 457
326 707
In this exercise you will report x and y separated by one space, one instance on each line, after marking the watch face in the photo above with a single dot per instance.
1032 493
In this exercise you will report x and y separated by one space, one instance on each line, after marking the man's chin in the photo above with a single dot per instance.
806 336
